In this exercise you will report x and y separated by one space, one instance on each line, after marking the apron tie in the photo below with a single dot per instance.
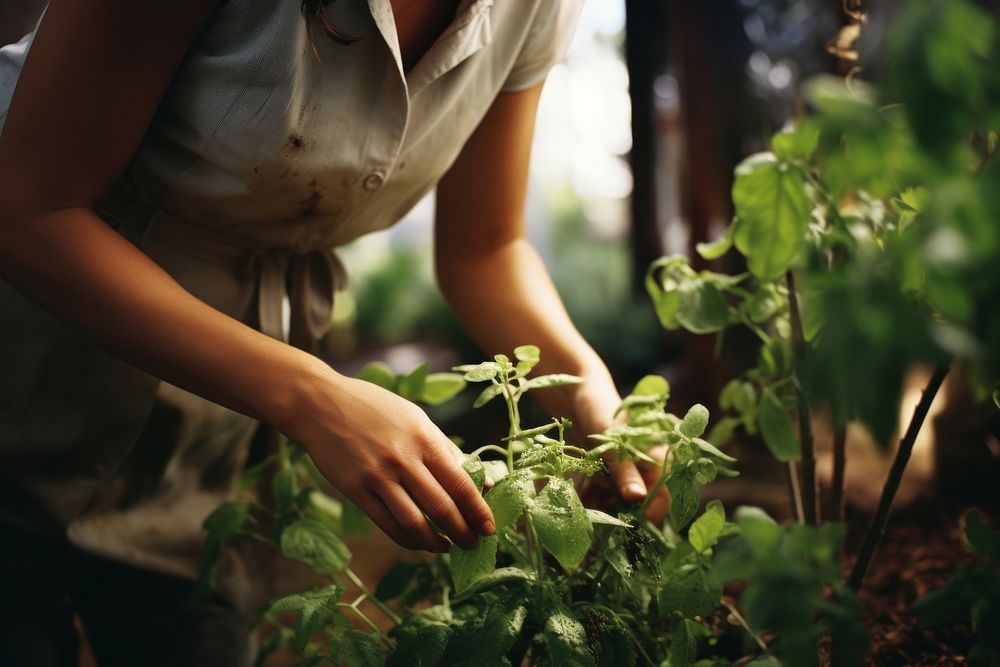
309 280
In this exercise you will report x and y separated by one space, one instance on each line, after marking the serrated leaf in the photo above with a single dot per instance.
315 544
469 566
695 421
561 522
706 530
566 640
683 644
774 213
684 500
316 609
441 387
599 517
419 644
776 428
378 373
351 647
689 590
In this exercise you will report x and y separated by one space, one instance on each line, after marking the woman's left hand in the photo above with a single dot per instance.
593 411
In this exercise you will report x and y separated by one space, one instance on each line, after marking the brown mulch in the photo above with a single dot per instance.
922 548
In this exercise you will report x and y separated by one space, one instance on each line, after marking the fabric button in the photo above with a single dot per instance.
374 181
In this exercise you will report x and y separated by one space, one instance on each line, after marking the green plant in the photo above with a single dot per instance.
973 594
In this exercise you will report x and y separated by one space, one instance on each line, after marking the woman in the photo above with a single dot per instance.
169 174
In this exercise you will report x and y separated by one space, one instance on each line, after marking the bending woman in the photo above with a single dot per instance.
170 173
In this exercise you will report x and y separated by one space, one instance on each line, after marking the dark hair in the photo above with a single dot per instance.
315 12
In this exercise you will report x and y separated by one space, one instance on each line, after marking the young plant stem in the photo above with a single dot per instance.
383 607
877 527
653 492
743 622
839 469
795 492
810 490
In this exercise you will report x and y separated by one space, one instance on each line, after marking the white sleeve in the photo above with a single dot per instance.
551 32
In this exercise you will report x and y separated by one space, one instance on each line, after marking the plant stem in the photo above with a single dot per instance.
806 439
655 490
877 527
742 621
795 491
839 469
383 607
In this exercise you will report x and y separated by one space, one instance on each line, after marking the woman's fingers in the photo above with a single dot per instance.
629 482
376 510
460 487
439 506
411 520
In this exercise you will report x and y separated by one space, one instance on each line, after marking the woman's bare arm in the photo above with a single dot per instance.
91 83
496 281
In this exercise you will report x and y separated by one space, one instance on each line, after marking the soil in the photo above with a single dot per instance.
922 548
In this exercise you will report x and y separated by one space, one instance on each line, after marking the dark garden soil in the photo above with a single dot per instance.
922 548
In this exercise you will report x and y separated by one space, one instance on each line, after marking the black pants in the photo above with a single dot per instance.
131 616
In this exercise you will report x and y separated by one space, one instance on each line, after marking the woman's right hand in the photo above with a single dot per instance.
386 456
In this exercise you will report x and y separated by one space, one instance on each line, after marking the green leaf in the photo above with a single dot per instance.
484 640
797 144
379 374
652 385
479 372
776 428
441 387
684 500
527 354
599 517
561 522
324 506
504 576
759 530
916 198
709 448
705 531
554 380
689 590
354 521
702 308
396 580
226 521
695 421
612 641
487 395
723 430
419 643
509 497
716 248
773 211
411 386
315 544
683 644
985 542
283 487
351 647
316 609
566 640
477 472
467 567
